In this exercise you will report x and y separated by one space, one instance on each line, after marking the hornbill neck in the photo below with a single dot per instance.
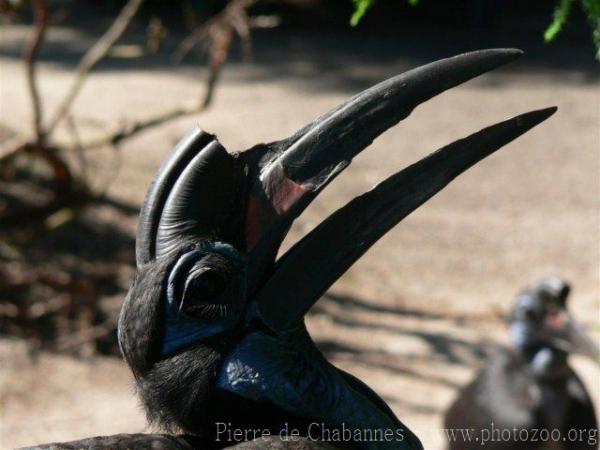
287 370
178 392
546 362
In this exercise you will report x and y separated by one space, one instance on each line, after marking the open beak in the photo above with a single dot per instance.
568 335
292 172
289 174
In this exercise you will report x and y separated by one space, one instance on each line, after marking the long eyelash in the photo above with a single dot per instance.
213 311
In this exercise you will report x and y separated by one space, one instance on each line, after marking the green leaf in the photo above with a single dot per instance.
592 10
360 9
560 17
561 14
362 6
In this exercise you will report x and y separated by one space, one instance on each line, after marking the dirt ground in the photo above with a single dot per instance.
414 317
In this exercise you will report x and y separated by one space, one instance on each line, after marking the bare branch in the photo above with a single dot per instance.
192 40
234 10
40 18
94 55
218 56
128 131
217 36
241 23
16 145
63 178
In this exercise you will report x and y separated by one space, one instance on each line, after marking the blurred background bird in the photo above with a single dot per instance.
528 396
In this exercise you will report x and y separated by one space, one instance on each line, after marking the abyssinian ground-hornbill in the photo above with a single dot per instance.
528 396
213 326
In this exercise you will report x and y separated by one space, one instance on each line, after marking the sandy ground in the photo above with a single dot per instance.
416 316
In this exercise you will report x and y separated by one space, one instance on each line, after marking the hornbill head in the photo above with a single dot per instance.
213 325
541 326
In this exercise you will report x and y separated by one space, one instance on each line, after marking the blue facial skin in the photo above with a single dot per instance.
180 330
523 333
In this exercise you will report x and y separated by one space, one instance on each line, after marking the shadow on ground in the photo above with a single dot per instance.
441 347
62 279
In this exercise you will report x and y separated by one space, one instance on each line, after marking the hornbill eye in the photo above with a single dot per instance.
207 281
204 283
205 295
